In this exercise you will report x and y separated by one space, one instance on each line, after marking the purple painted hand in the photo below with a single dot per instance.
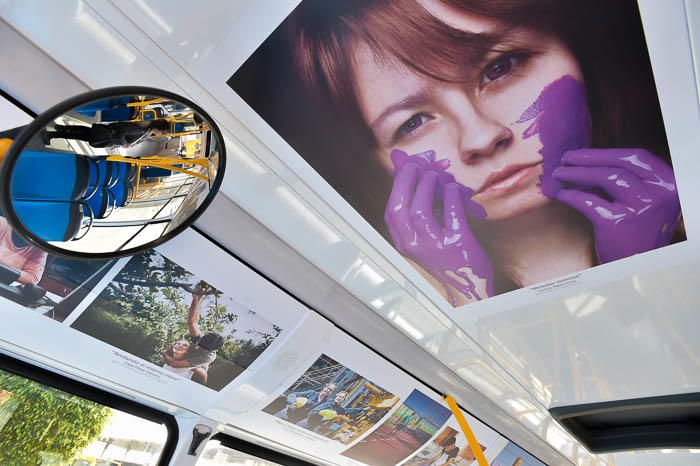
449 250
643 209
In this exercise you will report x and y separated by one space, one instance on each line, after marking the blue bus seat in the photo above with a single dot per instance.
122 193
50 221
50 176
102 203
122 172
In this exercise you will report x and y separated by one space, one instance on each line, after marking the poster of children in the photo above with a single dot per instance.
409 427
158 311
334 401
449 447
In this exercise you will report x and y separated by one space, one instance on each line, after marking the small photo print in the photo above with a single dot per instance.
449 448
409 427
334 401
513 455
158 311
45 284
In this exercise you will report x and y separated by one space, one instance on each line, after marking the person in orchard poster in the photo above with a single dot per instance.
494 143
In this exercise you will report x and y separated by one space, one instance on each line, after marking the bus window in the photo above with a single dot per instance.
223 450
40 425
216 454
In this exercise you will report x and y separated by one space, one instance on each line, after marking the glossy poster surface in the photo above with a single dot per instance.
142 322
531 147
450 446
158 311
332 400
162 322
513 455
347 405
410 426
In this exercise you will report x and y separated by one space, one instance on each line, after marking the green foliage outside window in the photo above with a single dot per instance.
36 419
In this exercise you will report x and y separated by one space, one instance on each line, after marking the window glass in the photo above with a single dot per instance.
216 454
40 425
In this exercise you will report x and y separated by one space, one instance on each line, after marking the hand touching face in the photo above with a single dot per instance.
445 247
475 126
629 195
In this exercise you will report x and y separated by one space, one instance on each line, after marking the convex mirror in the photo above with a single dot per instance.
112 172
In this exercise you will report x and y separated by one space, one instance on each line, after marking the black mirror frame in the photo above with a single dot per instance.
44 118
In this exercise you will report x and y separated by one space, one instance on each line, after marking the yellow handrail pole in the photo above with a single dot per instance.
176 169
471 438
160 159
183 116
138 180
144 103
185 133
159 162
181 170
179 120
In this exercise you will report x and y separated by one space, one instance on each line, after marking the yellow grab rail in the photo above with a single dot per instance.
471 438
167 163
144 103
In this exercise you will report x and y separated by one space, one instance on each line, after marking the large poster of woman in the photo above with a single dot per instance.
494 144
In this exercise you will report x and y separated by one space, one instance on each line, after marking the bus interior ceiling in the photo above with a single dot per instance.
324 304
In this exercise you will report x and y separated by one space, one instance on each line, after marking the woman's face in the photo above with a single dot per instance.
180 348
473 125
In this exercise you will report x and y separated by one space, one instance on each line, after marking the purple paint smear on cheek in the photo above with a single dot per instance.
562 122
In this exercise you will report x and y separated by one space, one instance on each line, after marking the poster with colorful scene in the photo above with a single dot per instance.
449 447
513 455
408 428
333 401
158 311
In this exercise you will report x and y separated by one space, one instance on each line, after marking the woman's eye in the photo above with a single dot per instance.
499 68
412 124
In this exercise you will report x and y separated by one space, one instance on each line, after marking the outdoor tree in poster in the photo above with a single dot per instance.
145 310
